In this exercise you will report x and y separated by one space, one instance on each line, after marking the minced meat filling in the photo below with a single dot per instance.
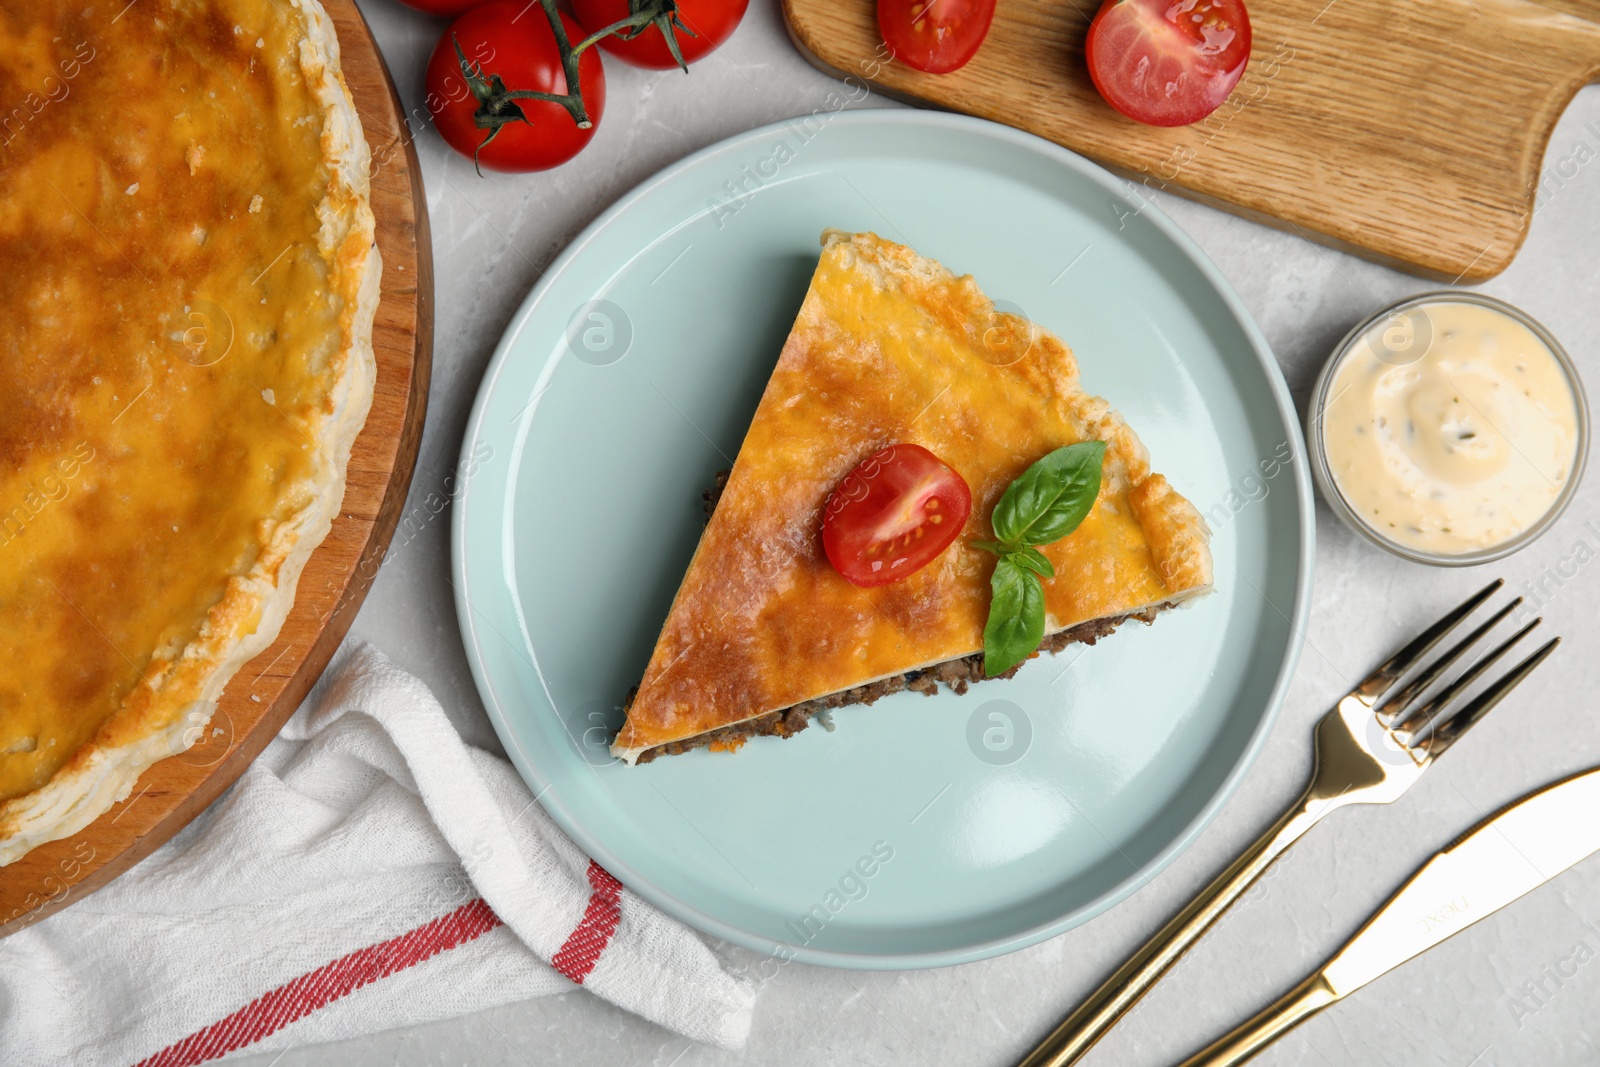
955 674
710 497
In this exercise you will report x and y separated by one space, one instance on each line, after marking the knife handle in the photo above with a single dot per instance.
1300 1003
1133 979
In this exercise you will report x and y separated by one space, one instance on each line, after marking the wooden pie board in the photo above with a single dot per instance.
267 690
1408 132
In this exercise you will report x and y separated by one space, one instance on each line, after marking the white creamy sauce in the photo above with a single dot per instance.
1452 430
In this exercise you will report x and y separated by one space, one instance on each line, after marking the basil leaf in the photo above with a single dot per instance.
1033 560
1050 498
1016 618
994 546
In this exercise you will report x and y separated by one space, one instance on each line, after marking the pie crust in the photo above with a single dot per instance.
891 347
185 363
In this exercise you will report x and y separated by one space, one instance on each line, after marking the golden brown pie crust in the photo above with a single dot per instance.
891 347
189 282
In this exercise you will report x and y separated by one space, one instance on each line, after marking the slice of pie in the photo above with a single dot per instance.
187 287
891 347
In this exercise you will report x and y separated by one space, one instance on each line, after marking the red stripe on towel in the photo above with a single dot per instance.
274 1010
577 957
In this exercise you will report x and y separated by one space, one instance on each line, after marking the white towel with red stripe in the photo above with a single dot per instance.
369 871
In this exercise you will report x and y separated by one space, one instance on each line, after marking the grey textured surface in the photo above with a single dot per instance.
1466 1002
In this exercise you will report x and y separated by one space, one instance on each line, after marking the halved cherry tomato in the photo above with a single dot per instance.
1168 62
937 36
708 22
893 514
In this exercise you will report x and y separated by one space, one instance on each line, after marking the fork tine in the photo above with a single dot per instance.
1417 720
1385 676
1469 716
1396 704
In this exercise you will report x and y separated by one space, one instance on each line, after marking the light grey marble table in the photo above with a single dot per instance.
1519 988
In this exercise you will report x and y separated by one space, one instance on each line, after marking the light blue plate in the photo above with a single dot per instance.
920 831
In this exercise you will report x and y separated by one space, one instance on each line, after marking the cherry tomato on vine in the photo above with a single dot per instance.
696 27
1168 62
893 514
482 70
442 7
937 36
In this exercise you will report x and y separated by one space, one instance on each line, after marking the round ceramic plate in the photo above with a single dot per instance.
918 831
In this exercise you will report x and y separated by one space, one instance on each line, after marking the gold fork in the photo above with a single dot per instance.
1367 752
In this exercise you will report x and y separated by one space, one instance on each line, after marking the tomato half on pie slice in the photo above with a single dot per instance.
1168 62
893 514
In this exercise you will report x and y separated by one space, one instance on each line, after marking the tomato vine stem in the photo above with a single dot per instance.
662 14
497 103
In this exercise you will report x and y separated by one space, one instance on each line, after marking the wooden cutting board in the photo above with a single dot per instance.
267 690
1411 133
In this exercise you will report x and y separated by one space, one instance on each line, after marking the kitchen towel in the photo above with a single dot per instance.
370 870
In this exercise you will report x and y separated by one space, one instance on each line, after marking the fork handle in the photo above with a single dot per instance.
1133 979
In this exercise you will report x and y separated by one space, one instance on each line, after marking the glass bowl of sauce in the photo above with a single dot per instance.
1450 428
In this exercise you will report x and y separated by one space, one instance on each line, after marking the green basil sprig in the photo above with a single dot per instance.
1044 504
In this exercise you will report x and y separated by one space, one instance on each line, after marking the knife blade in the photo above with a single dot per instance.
1512 852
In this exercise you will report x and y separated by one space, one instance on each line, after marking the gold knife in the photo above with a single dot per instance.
1514 851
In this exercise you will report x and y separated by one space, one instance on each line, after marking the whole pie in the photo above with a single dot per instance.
188 279
890 347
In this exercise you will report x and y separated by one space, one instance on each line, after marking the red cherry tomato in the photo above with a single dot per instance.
512 41
937 36
442 7
1168 62
708 23
893 514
